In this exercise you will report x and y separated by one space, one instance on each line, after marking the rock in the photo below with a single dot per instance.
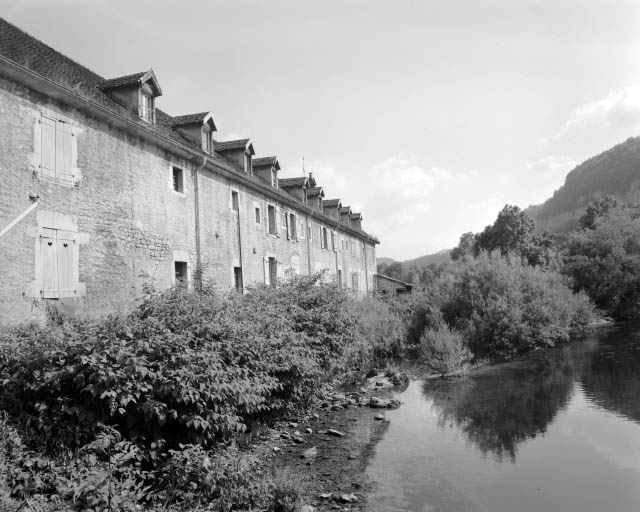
311 453
383 403
276 449
297 439
322 431
379 417
293 425
334 432
315 416
336 407
308 431
307 508
326 496
352 457
348 498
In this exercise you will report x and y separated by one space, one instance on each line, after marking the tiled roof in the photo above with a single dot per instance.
345 209
315 191
231 144
122 80
266 161
25 50
356 216
188 119
330 202
292 182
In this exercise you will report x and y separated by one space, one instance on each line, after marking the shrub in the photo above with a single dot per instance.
443 350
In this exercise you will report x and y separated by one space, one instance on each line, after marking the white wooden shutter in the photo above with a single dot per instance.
49 259
265 262
321 238
334 241
48 147
280 271
287 226
64 251
278 221
64 151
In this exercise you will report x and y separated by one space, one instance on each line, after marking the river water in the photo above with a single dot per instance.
558 431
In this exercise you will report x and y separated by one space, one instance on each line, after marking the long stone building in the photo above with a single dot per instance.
102 191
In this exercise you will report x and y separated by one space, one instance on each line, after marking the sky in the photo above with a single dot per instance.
426 116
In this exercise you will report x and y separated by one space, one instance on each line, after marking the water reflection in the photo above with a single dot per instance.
501 407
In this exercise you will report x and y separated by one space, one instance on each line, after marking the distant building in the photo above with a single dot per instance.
122 193
389 285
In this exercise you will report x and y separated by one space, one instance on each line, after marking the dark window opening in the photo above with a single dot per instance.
271 212
273 272
339 278
181 274
258 216
354 282
248 164
237 278
178 180
235 201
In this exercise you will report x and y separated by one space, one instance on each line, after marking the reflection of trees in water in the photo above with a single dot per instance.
504 406
612 377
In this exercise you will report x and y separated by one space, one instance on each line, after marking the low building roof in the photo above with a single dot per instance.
266 161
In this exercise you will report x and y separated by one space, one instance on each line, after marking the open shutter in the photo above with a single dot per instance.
49 258
64 255
64 151
334 241
48 147
278 221
287 225
321 238
265 262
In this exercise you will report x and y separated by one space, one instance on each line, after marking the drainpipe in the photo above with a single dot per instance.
196 205
22 215
240 245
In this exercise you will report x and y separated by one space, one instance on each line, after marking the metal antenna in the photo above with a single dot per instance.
303 173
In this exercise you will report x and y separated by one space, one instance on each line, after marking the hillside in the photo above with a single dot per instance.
613 172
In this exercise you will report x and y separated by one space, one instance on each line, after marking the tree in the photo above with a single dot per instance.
465 247
596 210
510 233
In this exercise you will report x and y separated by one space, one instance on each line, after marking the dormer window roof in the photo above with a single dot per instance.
136 92
267 168
197 127
240 152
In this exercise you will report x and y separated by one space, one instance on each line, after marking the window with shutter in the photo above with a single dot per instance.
287 225
56 255
56 150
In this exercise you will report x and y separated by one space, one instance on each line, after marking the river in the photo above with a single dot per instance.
558 431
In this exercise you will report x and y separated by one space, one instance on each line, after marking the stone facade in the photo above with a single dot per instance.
122 202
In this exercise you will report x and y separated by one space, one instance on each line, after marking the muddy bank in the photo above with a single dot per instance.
328 450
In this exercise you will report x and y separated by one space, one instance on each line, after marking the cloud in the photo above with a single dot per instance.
620 109
550 166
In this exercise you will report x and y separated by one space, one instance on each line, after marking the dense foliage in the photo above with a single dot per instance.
603 258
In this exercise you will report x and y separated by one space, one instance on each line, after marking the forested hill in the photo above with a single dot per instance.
614 172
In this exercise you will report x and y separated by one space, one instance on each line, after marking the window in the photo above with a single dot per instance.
206 140
339 278
271 218
180 269
57 156
302 230
247 163
354 282
145 109
334 246
274 179
310 231
324 241
292 232
237 278
178 180
56 252
273 272
235 201
258 214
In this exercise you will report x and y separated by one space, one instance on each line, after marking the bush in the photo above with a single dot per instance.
443 350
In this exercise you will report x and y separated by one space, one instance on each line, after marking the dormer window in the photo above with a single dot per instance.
145 108
274 179
247 163
136 93
207 143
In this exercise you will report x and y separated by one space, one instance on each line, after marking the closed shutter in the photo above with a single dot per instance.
266 271
64 251
64 156
49 258
48 147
